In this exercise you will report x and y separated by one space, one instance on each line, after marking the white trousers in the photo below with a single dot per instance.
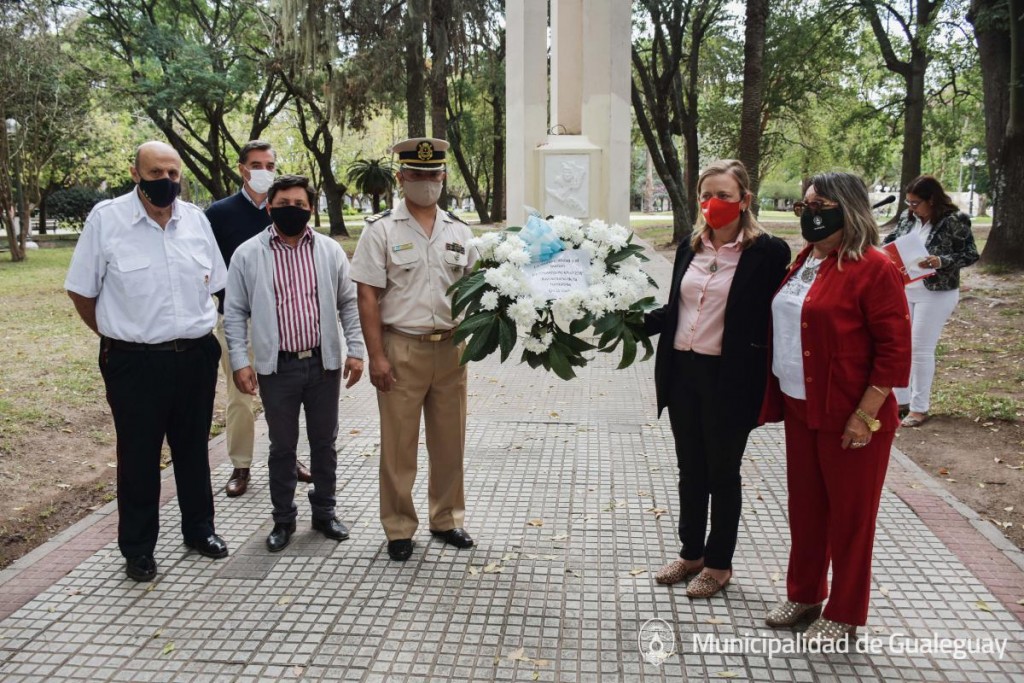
929 311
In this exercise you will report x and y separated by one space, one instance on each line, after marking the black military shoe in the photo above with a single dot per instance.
331 528
211 546
280 537
400 550
454 537
140 568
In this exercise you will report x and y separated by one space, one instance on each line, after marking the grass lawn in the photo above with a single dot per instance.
50 354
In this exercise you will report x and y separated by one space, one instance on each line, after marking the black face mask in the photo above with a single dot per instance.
161 192
290 220
817 226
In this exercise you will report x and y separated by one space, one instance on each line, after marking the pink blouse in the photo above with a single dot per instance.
702 297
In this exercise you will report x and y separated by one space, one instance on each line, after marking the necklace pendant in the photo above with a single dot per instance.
714 267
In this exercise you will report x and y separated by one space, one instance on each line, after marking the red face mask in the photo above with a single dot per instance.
718 213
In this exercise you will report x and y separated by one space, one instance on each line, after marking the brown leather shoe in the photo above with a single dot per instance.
303 472
238 483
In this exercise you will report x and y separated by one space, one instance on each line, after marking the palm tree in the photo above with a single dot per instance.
373 177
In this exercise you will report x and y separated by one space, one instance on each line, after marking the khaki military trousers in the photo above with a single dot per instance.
429 381
239 419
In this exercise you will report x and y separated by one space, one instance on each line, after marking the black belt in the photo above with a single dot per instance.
298 355
173 345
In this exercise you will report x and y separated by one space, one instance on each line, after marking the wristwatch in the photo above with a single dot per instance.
873 424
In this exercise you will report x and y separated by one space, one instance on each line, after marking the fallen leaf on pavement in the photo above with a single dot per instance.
473 571
284 600
715 620
168 649
535 522
983 606
560 537
493 568
637 572
657 512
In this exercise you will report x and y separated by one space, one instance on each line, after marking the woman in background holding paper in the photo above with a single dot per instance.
933 241
711 367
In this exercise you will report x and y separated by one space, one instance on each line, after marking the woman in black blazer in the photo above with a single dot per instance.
712 365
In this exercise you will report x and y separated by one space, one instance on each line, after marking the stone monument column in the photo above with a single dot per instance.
571 158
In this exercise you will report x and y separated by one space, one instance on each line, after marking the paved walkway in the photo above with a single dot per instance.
571 492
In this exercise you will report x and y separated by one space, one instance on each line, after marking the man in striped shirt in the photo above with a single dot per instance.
294 285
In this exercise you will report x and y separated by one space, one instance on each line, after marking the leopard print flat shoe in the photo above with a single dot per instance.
676 571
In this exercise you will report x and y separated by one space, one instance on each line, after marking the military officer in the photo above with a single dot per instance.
403 265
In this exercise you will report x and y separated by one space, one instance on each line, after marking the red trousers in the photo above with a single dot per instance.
833 503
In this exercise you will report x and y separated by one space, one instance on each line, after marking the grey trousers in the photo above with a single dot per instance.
301 383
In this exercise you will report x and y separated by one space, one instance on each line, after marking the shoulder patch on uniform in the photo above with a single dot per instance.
454 217
377 216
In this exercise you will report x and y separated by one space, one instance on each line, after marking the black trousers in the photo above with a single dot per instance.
708 452
152 395
301 383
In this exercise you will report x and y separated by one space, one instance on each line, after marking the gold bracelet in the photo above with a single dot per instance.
883 392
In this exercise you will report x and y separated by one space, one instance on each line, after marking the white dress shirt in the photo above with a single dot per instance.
152 284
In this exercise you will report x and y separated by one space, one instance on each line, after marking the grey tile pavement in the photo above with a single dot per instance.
564 484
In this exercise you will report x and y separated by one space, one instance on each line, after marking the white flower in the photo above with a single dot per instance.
485 244
489 301
569 308
508 280
519 258
522 312
511 245
598 231
568 229
537 344
598 270
618 237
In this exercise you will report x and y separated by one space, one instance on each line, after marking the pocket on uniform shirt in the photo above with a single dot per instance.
136 275
202 276
402 264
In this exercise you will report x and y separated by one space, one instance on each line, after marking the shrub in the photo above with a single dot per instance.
71 207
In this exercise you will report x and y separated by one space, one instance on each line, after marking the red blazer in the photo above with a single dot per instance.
855 332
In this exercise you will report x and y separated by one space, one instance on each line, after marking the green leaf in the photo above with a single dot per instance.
514 228
506 336
559 363
610 336
575 343
607 322
473 290
628 349
577 326
458 284
483 343
533 359
648 347
473 323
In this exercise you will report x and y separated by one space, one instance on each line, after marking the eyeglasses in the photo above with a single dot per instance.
813 206
915 204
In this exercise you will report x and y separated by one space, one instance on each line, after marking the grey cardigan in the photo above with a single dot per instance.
250 296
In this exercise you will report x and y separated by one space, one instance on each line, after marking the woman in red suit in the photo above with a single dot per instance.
840 342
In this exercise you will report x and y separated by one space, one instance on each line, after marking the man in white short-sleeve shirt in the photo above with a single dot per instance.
141 277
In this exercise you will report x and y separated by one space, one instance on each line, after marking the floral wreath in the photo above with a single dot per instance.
501 306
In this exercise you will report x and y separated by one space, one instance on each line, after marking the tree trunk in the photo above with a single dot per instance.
999 30
415 86
753 92
913 122
440 17
375 201
334 192
471 183
498 164
648 200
